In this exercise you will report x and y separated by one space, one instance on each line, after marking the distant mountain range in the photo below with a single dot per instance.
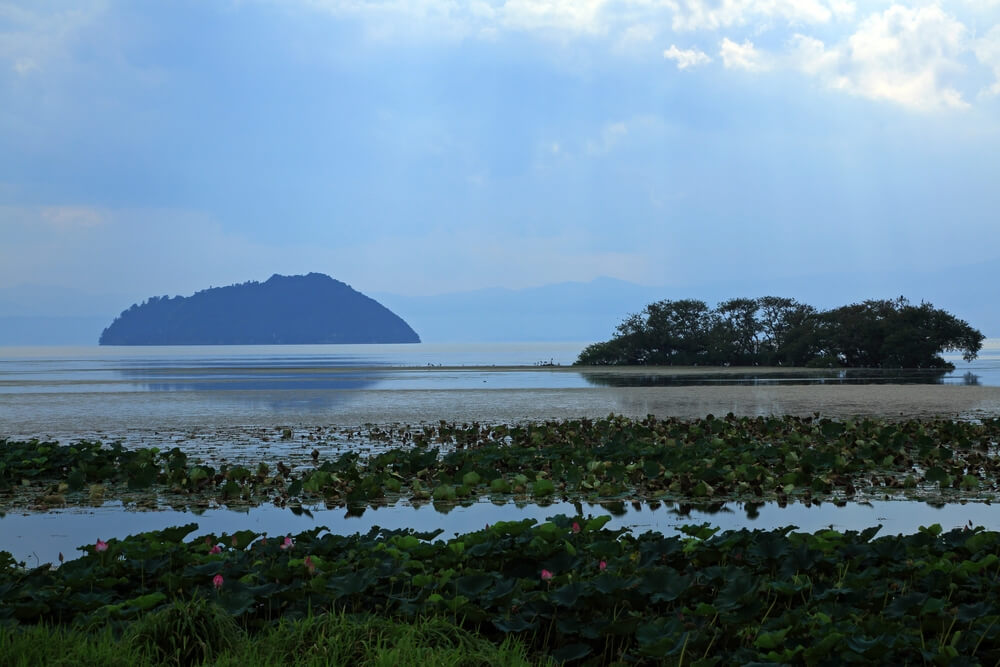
570 311
308 309
587 312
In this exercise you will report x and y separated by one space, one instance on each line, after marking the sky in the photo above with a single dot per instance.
421 147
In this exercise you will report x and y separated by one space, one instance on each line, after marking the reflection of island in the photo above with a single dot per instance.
314 389
766 377
970 379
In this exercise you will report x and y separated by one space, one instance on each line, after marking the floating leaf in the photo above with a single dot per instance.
570 652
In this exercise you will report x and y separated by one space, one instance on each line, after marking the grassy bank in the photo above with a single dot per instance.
195 633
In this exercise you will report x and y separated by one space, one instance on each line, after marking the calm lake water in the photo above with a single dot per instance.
92 390
39 538
228 402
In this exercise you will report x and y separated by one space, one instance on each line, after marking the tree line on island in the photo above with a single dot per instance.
778 331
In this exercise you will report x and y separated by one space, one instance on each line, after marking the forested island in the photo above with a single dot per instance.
309 309
777 331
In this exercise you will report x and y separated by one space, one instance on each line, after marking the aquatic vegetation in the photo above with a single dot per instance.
597 594
709 459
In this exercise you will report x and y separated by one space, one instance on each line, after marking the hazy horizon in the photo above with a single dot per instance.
569 311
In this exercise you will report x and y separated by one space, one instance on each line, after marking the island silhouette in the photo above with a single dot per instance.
283 310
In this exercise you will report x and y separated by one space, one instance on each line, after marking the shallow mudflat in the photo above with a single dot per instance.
802 400
238 417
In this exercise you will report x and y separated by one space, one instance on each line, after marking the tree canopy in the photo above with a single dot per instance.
773 331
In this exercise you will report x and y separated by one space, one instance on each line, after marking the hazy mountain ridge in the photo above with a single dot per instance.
310 309
578 311
570 311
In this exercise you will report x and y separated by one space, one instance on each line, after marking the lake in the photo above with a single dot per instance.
40 538
230 403
117 392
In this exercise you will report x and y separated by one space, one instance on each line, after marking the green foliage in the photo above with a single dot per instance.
321 640
594 594
186 632
712 458
26 646
772 330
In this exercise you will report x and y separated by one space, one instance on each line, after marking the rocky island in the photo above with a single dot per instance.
283 310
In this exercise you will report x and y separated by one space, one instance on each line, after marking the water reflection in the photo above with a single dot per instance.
970 379
693 378
39 538
249 380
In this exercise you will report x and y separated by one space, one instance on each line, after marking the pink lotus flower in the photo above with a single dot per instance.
310 565
576 527
217 581
101 546
288 543
602 566
546 575
234 541
215 550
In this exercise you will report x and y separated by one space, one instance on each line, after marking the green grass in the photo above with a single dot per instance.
328 639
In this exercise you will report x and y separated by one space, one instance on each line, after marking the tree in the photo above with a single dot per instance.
897 334
778 331
677 332
736 338
798 338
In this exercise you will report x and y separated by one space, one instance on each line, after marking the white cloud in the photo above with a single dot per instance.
906 56
843 9
386 18
626 21
33 37
810 54
742 56
686 58
910 57
980 5
709 15
580 16
987 51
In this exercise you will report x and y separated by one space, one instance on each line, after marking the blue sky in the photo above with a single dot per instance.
425 147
